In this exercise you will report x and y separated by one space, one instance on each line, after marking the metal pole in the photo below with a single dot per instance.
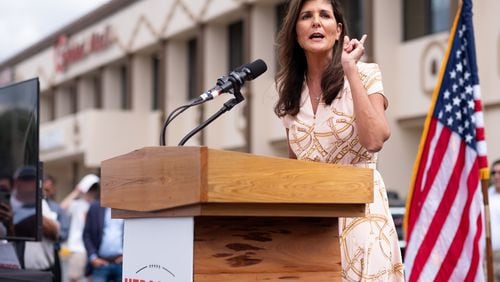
489 248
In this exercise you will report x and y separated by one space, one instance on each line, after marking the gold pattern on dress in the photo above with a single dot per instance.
312 145
296 140
383 195
364 77
308 142
355 261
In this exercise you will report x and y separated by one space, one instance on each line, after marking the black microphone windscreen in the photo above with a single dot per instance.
256 68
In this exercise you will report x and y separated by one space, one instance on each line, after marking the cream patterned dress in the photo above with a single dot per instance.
369 245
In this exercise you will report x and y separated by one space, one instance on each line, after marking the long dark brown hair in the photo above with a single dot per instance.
293 65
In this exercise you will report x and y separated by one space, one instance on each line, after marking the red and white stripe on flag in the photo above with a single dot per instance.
444 219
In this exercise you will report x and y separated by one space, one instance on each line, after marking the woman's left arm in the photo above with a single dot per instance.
373 128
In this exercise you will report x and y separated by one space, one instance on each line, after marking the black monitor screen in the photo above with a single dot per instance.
20 193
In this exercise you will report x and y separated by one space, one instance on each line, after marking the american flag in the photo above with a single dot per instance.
444 222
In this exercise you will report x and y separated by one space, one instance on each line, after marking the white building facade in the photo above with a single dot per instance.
109 79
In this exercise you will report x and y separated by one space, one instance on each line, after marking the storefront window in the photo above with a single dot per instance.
97 83
155 71
440 10
192 75
124 88
235 34
426 17
73 99
353 10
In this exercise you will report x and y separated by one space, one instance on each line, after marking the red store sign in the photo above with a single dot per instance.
67 53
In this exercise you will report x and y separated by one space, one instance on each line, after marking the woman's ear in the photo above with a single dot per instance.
339 30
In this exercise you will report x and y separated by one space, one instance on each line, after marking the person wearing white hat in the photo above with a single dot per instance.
77 204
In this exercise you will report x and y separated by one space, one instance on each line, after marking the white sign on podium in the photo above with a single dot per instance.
158 249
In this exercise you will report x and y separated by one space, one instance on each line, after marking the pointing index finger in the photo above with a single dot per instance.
363 38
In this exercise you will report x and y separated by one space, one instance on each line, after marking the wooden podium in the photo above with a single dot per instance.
255 218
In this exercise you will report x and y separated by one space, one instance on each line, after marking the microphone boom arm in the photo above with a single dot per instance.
238 98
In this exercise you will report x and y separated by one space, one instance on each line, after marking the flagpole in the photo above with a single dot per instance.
487 223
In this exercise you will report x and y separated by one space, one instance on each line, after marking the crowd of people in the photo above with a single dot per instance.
80 241
332 107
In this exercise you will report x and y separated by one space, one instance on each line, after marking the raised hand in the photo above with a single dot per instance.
353 50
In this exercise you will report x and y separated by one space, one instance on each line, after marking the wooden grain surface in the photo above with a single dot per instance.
266 249
154 178
240 177
158 178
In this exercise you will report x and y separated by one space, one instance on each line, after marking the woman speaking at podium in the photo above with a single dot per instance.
333 108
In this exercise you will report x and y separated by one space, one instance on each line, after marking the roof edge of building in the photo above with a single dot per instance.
74 27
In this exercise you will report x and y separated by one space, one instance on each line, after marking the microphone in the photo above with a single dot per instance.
235 79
